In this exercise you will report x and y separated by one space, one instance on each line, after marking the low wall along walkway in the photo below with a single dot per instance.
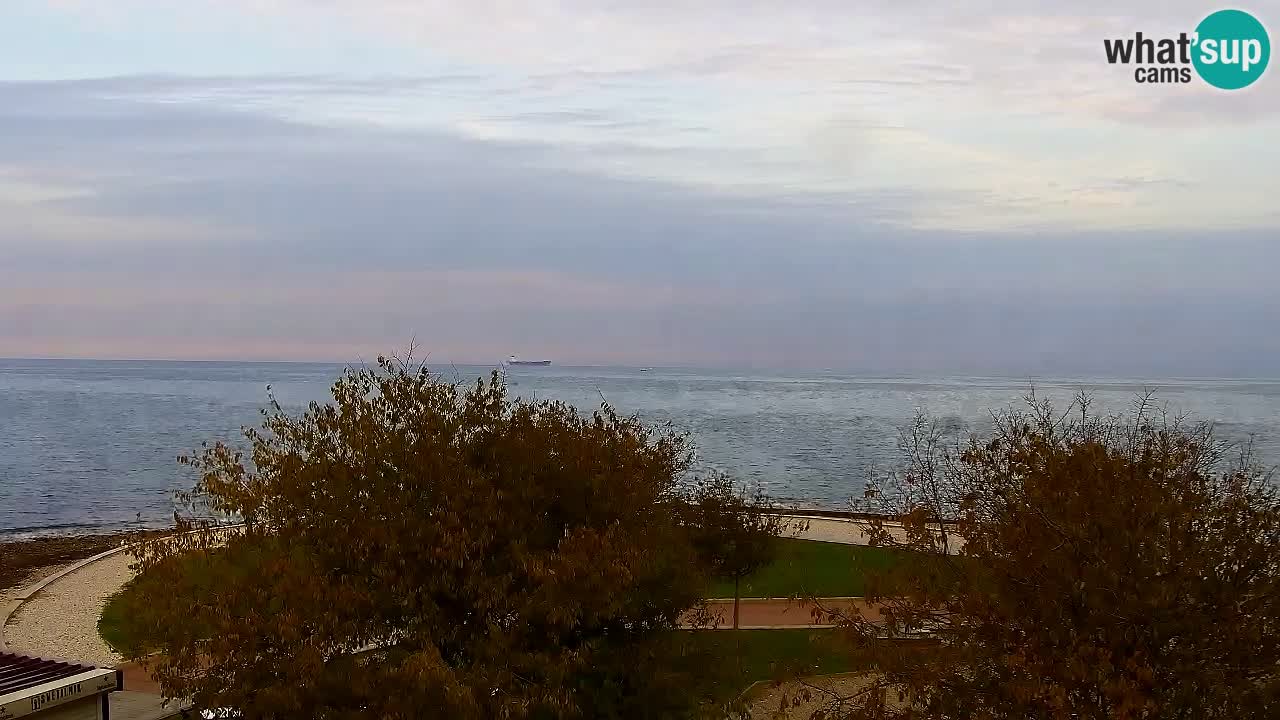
58 617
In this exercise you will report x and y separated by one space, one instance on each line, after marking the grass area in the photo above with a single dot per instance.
25 561
753 655
743 656
799 567
119 624
726 662
806 566
111 626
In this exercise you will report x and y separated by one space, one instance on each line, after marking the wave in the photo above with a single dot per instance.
29 532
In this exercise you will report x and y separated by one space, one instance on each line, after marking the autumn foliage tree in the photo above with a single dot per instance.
1097 567
420 549
735 529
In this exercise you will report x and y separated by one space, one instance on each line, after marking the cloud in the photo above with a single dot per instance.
755 183
1027 56
208 178
991 115
1018 57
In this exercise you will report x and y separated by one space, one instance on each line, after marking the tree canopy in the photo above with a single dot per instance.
417 548
1075 566
735 529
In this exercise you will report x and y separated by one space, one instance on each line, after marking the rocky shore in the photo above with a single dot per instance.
28 560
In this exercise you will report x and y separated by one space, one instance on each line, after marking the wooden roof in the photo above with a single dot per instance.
20 672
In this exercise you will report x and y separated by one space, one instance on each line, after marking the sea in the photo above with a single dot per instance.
91 446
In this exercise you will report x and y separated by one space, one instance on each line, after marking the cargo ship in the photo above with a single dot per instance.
513 360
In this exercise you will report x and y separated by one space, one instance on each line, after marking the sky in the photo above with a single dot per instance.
886 186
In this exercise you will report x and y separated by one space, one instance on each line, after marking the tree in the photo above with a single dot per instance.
734 529
420 549
1097 567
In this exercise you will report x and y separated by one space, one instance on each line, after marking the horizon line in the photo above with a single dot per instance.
872 372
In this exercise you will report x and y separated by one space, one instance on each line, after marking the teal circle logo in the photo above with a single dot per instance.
1231 49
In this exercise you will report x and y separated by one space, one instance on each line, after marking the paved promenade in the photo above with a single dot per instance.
760 614
61 620
853 532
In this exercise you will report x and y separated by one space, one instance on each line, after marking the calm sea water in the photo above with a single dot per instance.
91 445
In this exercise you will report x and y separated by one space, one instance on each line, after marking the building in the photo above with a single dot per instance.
54 690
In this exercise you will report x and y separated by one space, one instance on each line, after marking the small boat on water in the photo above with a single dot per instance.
513 360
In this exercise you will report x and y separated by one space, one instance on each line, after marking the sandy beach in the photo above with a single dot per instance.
61 621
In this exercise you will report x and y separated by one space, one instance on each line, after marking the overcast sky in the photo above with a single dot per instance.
892 186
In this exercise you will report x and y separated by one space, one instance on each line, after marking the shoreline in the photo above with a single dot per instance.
62 586
31 554
27 559
39 532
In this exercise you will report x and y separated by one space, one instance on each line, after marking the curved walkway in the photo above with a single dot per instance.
803 697
767 614
852 531
59 618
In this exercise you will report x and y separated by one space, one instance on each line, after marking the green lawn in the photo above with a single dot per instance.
118 624
799 567
724 663
727 661
771 654
803 567
111 626
114 625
